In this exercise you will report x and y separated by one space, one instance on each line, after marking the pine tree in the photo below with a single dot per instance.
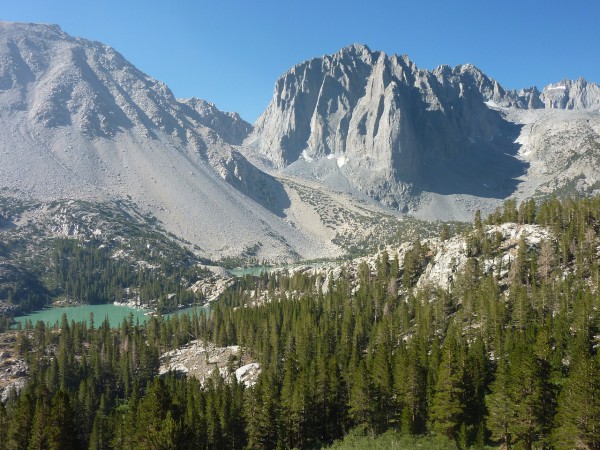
124 421
157 429
546 260
578 417
261 412
39 439
411 390
362 403
100 436
381 375
446 412
3 427
475 382
527 396
295 397
213 411
499 404
20 424
61 427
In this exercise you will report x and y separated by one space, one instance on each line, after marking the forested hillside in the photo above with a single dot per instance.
504 357
77 252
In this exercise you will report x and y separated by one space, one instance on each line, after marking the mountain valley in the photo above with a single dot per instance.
389 257
371 136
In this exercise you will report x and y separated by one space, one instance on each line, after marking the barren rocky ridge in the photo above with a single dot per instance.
78 121
370 135
439 144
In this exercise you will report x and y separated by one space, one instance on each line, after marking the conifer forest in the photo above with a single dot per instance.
499 359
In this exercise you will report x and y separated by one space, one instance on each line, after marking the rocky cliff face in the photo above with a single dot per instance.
397 131
386 123
577 94
568 94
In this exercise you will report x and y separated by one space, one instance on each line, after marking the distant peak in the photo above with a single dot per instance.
581 81
356 49
48 26
468 68
443 69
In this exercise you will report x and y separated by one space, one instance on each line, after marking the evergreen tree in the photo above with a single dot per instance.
124 419
411 391
62 429
501 413
21 421
3 427
362 401
578 418
527 397
446 412
157 428
381 374
261 412
100 435
39 437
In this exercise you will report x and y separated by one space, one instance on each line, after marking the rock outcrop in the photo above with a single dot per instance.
13 367
201 360
443 261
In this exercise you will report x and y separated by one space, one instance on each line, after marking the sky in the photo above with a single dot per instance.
232 52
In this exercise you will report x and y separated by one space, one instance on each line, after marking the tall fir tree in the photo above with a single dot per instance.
62 433
446 411
578 417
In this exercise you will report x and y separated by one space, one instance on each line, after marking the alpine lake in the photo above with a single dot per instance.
114 313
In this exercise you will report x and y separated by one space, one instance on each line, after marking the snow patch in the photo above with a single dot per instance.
306 157
341 161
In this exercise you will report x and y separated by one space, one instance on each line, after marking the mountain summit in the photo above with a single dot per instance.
349 142
404 135
79 121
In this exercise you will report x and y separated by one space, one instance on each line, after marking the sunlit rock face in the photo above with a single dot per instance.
395 131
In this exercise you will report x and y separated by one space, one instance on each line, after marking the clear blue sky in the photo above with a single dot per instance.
232 52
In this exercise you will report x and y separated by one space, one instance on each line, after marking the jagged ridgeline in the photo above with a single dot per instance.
459 337
504 355
349 140
438 143
78 121
79 252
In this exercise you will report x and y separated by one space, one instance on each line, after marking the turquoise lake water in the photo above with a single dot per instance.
115 314
254 271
